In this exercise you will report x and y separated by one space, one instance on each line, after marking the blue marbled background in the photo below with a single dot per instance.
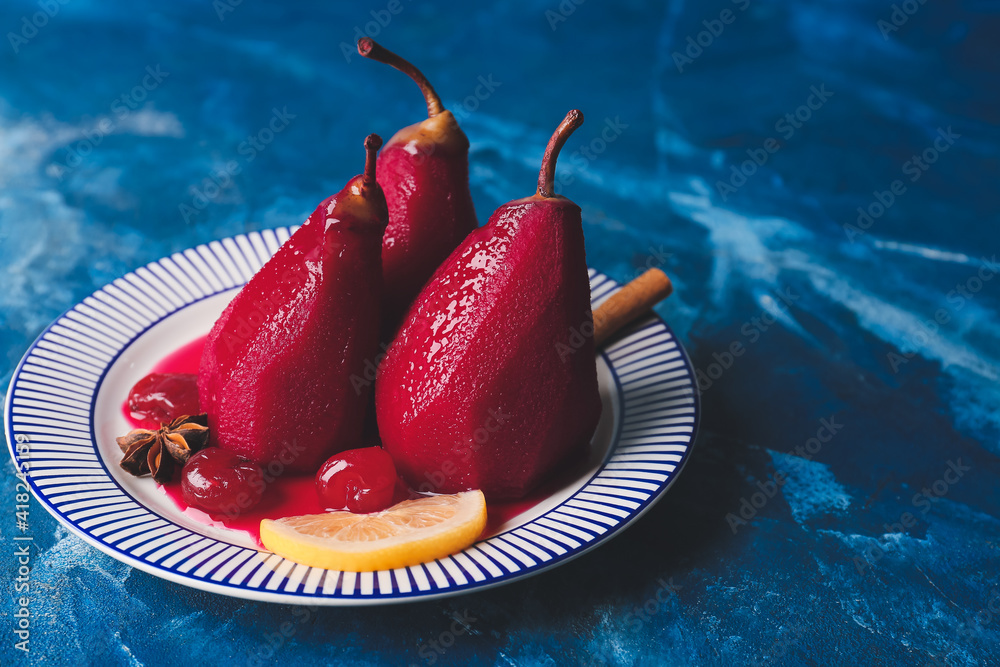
886 329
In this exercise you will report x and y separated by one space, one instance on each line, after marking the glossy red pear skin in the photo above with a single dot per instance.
275 373
473 392
424 172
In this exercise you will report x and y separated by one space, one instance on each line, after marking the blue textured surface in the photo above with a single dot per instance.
885 329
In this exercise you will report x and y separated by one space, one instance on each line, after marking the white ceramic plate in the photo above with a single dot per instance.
63 413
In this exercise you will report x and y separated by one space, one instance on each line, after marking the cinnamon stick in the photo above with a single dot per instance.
628 303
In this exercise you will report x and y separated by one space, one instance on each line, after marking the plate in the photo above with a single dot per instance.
63 412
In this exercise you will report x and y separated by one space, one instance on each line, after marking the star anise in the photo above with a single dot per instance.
159 452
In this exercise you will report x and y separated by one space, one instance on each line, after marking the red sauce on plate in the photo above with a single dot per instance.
286 495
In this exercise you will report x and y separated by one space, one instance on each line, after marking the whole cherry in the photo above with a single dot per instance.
217 480
358 480
163 397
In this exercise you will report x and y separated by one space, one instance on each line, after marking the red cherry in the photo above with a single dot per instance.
358 480
163 397
217 480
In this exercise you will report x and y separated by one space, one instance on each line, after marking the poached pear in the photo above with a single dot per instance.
275 375
424 172
473 393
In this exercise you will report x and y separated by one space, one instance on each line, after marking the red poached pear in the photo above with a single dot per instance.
474 393
424 172
275 376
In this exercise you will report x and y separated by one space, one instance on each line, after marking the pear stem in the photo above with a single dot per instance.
369 48
373 142
547 174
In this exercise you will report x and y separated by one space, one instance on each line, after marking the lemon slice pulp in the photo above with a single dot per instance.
411 532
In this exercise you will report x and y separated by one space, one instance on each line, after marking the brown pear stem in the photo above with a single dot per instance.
628 303
373 142
547 174
369 48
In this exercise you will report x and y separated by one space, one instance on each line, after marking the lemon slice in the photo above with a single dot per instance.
412 532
